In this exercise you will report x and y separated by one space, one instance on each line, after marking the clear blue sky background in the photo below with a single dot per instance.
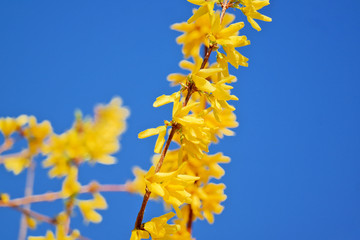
295 159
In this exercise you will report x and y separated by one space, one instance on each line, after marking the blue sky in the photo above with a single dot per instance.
295 157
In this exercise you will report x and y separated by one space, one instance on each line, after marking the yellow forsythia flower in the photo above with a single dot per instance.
205 168
159 229
220 124
36 133
5 198
179 78
170 186
207 201
228 38
30 222
70 185
250 10
182 233
161 131
88 140
87 208
18 162
138 185
138 234
9 125
195 33
207 6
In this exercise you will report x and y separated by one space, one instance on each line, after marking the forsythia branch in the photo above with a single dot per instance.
41 218
52 196
182 177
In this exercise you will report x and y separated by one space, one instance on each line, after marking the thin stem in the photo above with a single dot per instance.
190 220
35 215
29 186
52 196
163 154
147 194
41 218
192 86
6 145
140 215
207 55
225 5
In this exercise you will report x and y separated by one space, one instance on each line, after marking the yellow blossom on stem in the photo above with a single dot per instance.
5 198
161 131
183 233
209 198
205 168
179 78
220 126
250 8
138 234
17 162
87 208
31 222
10 125
36 133
200 79
88 139
206 6
159 229
208 167
138 185
70 185
57 155
170 186
111 117
229 40
195 33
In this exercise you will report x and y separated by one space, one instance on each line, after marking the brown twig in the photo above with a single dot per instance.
192 87
190 220
163 154
225 5
42 218
29 186
52 196
140 215
147 194
35 215
207 56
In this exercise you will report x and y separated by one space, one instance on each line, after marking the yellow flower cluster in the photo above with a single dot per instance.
92 140
157 228
33 132
201 115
